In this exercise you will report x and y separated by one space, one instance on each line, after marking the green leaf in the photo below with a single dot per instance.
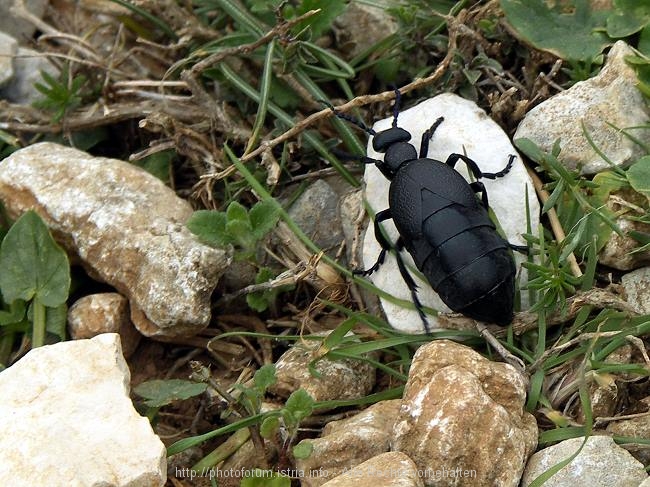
242 232
157 164
263 217
269 427
16 313
303 449
629 17
644 41
32 265
639 176
569 29
265 478
319 23
210 227
237 212
300 404
159 393
264 377
56 320
260 300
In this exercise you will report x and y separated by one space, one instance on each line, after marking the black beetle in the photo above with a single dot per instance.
443 225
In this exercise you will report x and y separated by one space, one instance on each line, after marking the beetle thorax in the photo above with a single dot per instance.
396 155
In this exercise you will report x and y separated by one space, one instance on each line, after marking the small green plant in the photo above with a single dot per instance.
158 393
236 226
60 96
34 280
261 300
243 230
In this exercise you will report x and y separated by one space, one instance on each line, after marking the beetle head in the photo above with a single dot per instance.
393 142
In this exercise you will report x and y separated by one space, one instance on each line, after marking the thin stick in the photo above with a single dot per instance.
556 226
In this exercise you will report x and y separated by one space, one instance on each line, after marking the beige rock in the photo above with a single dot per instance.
637 289
617 252
95 314
347 443
337 379
463 415
393 469
610 97
68 420
126 227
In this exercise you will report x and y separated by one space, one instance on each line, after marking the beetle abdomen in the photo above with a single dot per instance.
484 289
464 259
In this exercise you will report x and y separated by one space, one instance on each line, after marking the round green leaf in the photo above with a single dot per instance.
569 29
32 265
629 17
303 449
639 176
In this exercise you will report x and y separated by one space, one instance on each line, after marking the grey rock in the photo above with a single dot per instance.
468 129
362 26
28 65
17 26
125 226
8 49
601 463
315 212
67 406
611 97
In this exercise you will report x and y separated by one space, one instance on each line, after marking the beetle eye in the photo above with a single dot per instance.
384 139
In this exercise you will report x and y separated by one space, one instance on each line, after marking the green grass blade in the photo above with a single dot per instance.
265 90
285 118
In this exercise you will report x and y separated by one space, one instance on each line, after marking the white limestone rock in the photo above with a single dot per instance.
466 129
127 228
611 97
68 420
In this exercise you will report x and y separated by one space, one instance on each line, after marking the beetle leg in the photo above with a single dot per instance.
410 283
426 137
479 187
476 171
522 249
383 242
502 172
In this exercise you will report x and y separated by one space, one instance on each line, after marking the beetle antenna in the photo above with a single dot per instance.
396 106
349 118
